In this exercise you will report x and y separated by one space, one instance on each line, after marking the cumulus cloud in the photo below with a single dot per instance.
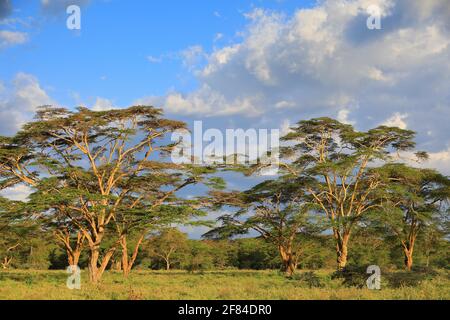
19 100
205 101
397 120
439 160
343 116
324 61
102 104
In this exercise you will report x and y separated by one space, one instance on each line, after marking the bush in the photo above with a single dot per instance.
409 278
352 276
310 279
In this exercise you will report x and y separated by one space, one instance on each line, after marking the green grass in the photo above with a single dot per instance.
218 285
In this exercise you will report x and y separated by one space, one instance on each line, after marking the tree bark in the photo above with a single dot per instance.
408 261
97 268
127 263
6 262
73 257
117 265
342 249
289 260
408 250
167 265
73 254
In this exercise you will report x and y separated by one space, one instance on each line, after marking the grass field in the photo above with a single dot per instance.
219 285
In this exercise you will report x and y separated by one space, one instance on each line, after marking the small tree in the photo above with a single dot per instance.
15 230
276 209
169 244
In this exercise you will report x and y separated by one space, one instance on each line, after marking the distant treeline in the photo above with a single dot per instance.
246 253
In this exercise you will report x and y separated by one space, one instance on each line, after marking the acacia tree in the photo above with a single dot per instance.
70 237
434 240
276 209
414 198
168 243
90 166
8 240
338 160
15 230
151 207
141 222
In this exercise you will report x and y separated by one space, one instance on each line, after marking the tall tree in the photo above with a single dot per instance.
414 198
92 166
337 159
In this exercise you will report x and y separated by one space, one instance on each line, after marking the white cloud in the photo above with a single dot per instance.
102 104
153 59
285 127
192 56
19 100
11 38
343 116
397 120
19 192
284 104
210 103
218 36
328 62
439 160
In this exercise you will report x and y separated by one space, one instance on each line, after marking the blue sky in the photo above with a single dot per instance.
262 64
109 56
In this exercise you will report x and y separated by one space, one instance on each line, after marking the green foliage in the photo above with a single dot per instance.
352 276
310 279
409 279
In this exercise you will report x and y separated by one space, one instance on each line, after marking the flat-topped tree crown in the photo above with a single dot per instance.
325 140
104 168
276 209
338 161
412 199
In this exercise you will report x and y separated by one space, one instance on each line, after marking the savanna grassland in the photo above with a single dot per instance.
222 285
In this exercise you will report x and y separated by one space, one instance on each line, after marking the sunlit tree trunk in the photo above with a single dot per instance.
289 260
73 252
342 248
408 250
97 267
8 259
128 263
6 262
